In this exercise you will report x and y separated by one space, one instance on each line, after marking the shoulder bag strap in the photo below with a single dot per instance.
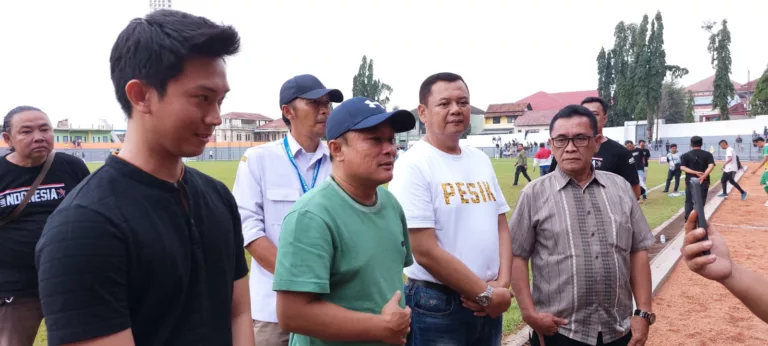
32 189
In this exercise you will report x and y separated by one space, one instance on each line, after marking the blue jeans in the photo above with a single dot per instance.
543 170
438 318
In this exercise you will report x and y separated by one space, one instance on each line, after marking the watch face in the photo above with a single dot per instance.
483 300
652 318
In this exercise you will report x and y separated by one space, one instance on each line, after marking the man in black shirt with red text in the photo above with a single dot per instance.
29 135
146 251
696 163
612 156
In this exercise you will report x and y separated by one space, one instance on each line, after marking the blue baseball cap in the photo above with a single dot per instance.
307 86
360 113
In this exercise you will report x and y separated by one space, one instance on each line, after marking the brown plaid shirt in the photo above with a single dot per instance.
579 242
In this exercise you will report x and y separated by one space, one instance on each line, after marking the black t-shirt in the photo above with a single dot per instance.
18 276
697 160
639 157
129 250
615 158
646 156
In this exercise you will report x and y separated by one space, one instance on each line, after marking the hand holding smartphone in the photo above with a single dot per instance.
698 205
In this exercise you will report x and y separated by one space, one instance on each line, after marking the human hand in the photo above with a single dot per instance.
716 266
397 321
501 299
639 327
544 323
477 308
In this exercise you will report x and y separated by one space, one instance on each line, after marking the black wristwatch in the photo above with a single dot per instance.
650 317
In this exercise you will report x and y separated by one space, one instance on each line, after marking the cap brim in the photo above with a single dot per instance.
400 120
335 95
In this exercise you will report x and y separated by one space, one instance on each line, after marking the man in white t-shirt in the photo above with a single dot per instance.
730 167
458 286
270 179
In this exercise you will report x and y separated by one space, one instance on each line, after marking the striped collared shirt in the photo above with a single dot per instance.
579 242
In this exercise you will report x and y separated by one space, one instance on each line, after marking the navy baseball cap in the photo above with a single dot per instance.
307 86
360 113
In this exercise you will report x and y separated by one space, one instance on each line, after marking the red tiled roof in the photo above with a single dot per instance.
507 109
536 117
706 84
738 109
557 101
274 125
246 116
749 86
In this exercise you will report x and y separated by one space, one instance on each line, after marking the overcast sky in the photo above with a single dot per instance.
55 53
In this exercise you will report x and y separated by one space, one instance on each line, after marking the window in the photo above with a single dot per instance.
510 120
105 139
225 137
66 139
57 139
496 120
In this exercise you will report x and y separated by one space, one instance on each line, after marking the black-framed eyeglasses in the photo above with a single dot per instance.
579 141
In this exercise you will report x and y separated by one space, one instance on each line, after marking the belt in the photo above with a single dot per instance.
431 285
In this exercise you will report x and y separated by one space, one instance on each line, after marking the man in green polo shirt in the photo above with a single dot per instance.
344 244
760 144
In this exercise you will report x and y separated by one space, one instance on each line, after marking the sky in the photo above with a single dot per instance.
55 53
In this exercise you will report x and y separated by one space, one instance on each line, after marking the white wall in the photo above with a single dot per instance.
743 127
615 133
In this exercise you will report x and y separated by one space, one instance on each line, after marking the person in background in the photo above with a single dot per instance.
612 156
148 251
696 163
667 146
458 287
543 159
639 161
344 244
521 165
738 142
746 285
646 158
673 160
587 242
730 167
759 142
400 152
29 135
273 176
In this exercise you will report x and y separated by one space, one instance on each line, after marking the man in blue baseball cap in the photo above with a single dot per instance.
345 243
264 196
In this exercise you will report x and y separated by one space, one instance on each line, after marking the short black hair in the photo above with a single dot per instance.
154 49
673 145
722 141
426 86
628 142
9 117
541 145
572 111
697 141
758 139
641 141
593 99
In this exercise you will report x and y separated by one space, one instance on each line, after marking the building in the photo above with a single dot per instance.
271 131
541 108
702 100
548 101
239 127
535 121
68 132
475 123
500 118
155 5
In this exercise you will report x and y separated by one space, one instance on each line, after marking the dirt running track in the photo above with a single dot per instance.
694 311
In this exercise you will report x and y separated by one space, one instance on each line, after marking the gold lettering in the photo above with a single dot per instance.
482 191
488 190
448 192
475 196
462 193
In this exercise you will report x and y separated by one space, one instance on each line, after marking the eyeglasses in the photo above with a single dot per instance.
579 141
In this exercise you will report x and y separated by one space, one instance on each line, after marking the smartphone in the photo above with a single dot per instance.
698 205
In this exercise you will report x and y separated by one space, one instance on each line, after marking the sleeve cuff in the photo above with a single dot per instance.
301 286
249 236
503 209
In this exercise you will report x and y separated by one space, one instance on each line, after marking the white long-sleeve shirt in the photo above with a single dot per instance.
266 187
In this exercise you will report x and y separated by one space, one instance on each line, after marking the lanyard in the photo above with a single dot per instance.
304 187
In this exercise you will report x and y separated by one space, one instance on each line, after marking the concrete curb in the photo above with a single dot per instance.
661 265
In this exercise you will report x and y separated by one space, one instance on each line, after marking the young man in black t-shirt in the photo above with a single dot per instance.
611 156
146 251
696 163
638 156
29 134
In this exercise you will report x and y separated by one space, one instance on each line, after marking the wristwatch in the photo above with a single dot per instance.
484 299
650 317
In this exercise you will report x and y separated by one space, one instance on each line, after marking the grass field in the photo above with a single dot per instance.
657 209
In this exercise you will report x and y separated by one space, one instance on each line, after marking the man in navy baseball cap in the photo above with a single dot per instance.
361 113
307 87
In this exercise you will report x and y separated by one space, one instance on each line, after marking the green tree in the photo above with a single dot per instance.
719 47
657 71
689 108
640 73
364 84
673 103
620 81
759 101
